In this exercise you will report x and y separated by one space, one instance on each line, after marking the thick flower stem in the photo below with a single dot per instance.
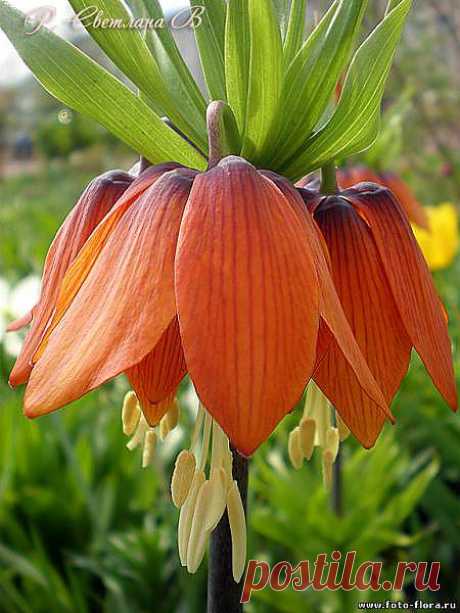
223 593
328 179
222 132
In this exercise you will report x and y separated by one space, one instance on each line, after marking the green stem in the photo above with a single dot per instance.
223 138
328 179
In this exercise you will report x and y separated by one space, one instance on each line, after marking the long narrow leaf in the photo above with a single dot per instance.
265 74
127 49
176 74
77 81
282 15
355 123
314 73
124 46
210 37
237 37
295 30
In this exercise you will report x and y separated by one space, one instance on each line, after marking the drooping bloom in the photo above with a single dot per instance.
439 243
387 293
220 275
223 275
352 175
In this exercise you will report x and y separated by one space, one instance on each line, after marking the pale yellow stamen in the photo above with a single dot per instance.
198 426
307 428
316 430
318 408
295 449
217 499
237 523
186 516
172 416
139 434
164 428
332 442
181 481
130 413
148 453
205 441
198 533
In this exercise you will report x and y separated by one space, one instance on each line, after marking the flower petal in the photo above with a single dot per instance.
157 375
406 198
411 284
124 305
356 393
97 199
247 301
77 273
370 308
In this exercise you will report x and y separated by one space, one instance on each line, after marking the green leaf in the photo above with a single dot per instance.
354 125
127 49
180 82
237 37
314 73
295 30
210 37
124 46
282 15
265 74
392 4
77 81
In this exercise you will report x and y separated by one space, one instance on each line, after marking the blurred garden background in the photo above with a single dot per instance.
82 527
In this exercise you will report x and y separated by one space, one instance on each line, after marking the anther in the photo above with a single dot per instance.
307 428
139 434
186 516
237 523
182 478
130 413
332 442
148 453
198 533
295 449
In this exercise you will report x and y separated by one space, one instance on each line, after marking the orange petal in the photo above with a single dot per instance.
406 198
122 309
369 305
157 376
411 284
97 199
77 273
247 300
356 392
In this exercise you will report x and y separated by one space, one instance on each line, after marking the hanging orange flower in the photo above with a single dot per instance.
218 274
387 293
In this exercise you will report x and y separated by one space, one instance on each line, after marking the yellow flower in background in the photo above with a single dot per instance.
440 243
